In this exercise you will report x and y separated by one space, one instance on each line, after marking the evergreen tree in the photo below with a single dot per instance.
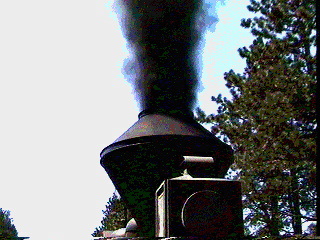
7 229
271 119
115 216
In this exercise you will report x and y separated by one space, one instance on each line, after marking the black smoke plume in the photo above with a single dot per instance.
163 36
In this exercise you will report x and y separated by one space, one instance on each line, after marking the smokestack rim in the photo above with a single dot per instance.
184 115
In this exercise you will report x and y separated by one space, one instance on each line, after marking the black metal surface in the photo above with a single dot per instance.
151 151
199 207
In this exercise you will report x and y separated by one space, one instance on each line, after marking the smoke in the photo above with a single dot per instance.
164 38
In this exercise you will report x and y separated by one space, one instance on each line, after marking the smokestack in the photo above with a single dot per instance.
163 36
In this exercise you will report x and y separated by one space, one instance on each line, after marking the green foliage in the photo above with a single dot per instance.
115 216
7 229
271 119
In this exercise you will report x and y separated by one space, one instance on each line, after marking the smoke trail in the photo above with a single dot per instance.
163 36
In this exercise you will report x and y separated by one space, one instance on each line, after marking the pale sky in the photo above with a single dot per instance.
63 99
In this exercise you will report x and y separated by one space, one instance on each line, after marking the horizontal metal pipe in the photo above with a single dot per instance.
196 159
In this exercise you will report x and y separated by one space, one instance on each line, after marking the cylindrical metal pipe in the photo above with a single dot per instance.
197 159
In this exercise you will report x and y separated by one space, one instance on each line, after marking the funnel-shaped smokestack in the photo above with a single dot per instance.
163 36
151 151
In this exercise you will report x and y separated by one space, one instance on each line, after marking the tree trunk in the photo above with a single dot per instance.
295 203
318 200
274 226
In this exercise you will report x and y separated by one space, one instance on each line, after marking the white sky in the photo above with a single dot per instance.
63 99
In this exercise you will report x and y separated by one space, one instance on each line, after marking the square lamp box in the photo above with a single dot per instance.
199 207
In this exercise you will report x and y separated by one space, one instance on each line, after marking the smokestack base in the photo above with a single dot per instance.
151 151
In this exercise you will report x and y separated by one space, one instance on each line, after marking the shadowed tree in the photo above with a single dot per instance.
7 229
115 216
